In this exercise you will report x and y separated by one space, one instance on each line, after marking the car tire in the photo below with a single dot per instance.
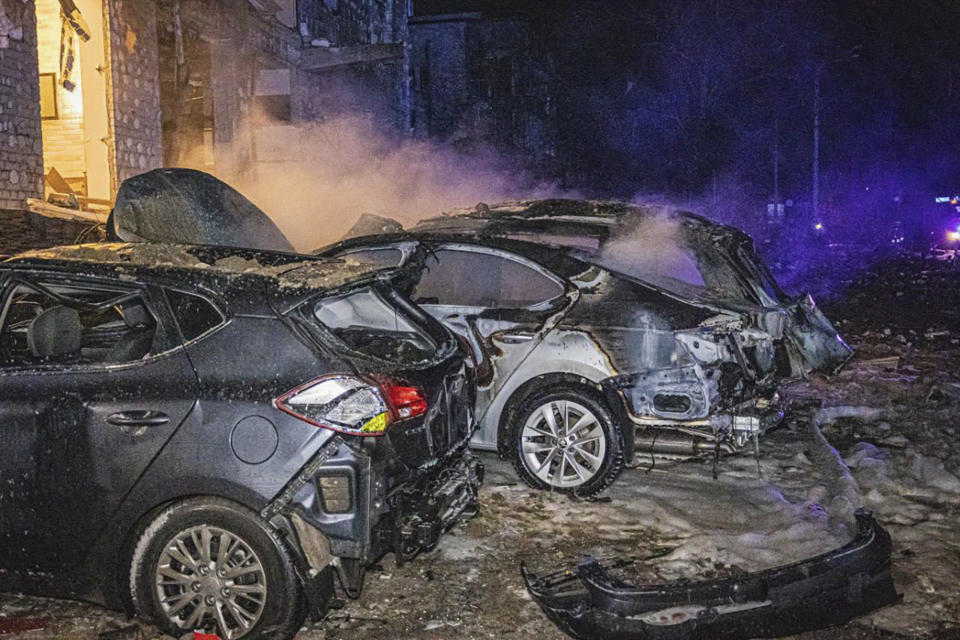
583 465
250 592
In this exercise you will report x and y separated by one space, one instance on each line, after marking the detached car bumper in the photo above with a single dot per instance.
825 590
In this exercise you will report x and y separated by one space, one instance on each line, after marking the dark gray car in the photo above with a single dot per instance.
217 436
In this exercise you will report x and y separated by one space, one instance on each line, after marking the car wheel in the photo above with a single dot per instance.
565 439
210 565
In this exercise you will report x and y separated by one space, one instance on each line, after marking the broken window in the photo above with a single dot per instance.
45 323
479 279
194 314
367 323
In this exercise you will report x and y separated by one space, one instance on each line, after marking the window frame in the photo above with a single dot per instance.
203 295
12 278
406 249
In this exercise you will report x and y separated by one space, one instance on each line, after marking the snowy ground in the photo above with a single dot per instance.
883 433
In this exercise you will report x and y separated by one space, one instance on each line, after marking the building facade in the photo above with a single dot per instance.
481 79
95 91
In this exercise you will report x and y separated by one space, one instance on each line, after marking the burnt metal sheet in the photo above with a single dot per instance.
829 589
184 206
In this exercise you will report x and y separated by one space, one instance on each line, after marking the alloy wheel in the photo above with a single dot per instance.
210 579
563 443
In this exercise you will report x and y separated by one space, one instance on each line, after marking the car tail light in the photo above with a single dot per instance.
342 403
406 402
351 405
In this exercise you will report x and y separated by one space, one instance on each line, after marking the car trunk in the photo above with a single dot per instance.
390 341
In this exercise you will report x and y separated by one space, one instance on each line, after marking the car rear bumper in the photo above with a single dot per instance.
825 590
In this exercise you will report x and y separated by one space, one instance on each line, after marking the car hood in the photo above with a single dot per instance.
184 206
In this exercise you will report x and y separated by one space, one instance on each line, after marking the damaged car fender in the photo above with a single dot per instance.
814 341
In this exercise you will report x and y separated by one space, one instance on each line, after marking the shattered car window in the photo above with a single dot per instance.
674 256
47 323
477 279
194 315
367 323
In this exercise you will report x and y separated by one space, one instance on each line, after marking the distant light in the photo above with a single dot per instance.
942 199
818 226
953 236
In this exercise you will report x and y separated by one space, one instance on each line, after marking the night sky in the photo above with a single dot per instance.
687 97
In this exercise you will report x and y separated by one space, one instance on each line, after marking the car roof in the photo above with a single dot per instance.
559 262
562 215
230 272
546 231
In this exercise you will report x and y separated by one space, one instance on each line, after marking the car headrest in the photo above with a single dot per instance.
55 332
136 315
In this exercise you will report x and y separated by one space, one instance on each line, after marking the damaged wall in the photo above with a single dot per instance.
355 60
21 162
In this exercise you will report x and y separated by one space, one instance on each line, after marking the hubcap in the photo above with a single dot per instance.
208 579
563 444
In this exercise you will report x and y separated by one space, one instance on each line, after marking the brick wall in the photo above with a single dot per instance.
21 155
23 230
136 86
62 138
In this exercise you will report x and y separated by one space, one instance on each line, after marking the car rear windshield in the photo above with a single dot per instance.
367 323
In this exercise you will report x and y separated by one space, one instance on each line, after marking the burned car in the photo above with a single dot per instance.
214 437
602 328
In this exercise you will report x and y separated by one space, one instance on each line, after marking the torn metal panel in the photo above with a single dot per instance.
832 588
817 343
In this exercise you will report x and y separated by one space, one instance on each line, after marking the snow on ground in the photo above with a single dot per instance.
886 437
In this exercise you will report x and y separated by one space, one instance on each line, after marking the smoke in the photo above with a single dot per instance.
316 179
655 249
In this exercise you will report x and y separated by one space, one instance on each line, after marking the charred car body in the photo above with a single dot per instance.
601 328
210 435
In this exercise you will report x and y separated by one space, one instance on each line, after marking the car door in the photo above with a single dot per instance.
502 305
93 382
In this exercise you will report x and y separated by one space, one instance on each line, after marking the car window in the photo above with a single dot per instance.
479 279
367 323
381 256
45 323
195 315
